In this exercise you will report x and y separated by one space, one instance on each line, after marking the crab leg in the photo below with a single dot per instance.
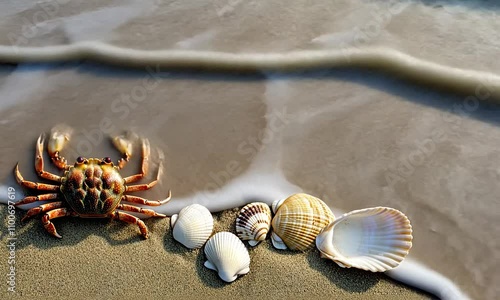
39 162
148 212
59 136
31 199
131 220
143 187
42 208
139 200
56 213
33 185
145 163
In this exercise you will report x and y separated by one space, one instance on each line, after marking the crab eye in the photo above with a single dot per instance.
107 160
80 159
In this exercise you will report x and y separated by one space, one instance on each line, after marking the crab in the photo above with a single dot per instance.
91 188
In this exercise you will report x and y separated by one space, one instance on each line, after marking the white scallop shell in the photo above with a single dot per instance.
192 226
253 222
297 221
227 255
373 239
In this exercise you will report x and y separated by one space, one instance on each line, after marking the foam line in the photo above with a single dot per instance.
417 275
469 82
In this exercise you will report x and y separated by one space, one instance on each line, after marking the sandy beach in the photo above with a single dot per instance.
108 260
355 138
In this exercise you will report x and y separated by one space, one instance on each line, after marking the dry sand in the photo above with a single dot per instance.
101 259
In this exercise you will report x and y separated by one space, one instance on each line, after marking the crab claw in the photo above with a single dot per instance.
124 145
59 137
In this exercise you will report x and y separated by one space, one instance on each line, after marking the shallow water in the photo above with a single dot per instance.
354 138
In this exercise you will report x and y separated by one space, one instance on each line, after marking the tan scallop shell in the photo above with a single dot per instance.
253 222
298 220
192 226
227 255
373 239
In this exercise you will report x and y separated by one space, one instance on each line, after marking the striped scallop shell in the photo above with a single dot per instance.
192 226
373 239
298 220
253 222
227 255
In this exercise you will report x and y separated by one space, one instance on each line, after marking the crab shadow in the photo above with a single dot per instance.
73 230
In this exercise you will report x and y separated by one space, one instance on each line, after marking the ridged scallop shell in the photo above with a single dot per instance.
192 226
253 222
373 239
227 255
298 220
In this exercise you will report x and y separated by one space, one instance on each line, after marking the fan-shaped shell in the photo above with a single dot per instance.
298 220
253 222
373 239
192 226
227 255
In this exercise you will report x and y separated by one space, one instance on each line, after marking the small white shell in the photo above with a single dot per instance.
253 222
373 239
227 255
192 226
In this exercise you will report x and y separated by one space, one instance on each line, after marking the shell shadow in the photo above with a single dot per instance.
351 280
209 277
269 246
